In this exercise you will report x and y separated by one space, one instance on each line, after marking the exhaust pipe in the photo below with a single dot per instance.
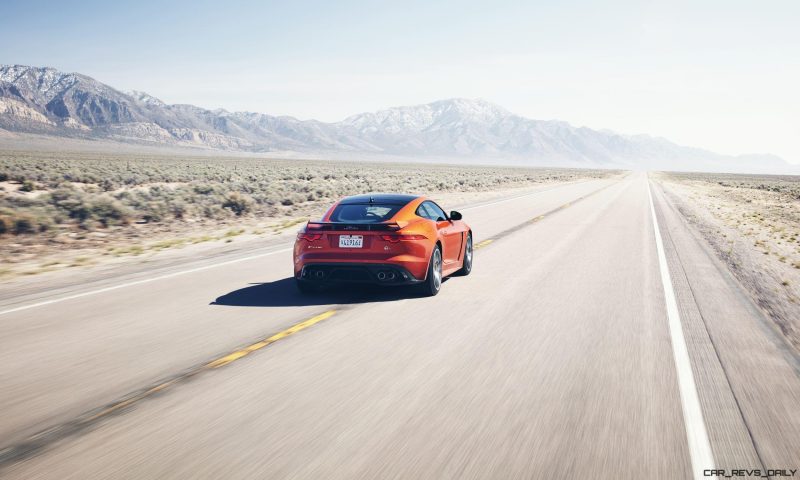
381 276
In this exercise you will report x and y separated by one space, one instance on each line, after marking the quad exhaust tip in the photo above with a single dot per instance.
388 275
383 275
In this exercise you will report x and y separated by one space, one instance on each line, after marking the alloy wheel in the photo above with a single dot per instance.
468 254
437 268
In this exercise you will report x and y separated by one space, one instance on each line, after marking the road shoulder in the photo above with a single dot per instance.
747 378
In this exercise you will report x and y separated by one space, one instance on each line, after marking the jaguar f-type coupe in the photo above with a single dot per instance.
385 239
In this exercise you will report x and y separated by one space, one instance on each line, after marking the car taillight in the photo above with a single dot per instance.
397 238
309 237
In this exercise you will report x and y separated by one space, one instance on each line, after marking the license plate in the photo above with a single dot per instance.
351 241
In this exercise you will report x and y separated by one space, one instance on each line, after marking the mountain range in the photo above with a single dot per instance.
47 101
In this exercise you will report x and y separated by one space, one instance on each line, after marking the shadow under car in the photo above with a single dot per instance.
284 293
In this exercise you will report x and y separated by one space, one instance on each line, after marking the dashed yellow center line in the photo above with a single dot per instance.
233 356
40 440
486 242
533 220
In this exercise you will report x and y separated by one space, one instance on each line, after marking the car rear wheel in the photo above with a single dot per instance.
433 282
468 252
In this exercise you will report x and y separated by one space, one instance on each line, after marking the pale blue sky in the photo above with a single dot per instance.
723 75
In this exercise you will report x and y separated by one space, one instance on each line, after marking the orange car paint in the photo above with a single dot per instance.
409 247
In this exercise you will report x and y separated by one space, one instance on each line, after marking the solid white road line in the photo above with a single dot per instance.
139 282
699 445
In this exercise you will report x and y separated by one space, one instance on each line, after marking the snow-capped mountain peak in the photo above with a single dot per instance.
146 98
418 118
44 100
41 82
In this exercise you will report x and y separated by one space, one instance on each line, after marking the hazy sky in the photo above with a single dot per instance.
724 75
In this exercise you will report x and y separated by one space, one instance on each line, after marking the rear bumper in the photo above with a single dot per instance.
375 273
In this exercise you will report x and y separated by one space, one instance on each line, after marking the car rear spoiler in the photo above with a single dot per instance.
360 227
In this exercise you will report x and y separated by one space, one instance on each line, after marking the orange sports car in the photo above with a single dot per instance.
385 239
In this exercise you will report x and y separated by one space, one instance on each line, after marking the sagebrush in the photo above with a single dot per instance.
95 191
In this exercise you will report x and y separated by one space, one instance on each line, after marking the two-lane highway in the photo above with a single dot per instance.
556 358
102 343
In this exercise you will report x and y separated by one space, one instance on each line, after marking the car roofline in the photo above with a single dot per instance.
384 198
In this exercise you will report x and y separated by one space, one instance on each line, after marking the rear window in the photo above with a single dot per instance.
364 213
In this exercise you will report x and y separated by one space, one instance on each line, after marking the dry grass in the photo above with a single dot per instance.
753 222
130 204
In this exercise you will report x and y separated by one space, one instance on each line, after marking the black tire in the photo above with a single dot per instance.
305 288
433 281
469 251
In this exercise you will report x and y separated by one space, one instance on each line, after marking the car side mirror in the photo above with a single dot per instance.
455 215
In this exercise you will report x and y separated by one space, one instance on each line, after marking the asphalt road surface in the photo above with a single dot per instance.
590 341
